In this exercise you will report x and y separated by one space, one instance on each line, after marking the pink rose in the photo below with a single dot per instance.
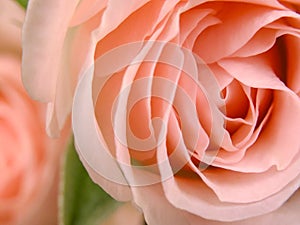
188 108
29 160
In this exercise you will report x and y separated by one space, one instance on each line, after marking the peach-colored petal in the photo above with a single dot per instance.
203 202
116 38
245 20
254 72
286 214
189 20
111 19
241 189
262 41
270 3
207 21
285 142
293 67
86 9
222 76
265 39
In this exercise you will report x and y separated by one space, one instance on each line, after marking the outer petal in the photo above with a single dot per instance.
46 65
45 27
286 214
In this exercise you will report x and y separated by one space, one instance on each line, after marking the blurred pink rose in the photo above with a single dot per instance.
148 117
29 160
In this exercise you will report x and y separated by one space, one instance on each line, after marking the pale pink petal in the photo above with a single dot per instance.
288 213
93 151
240 189
203 202
45 28
46 72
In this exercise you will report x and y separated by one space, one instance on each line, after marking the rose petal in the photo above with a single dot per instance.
262 41
254 72
204 203
274 147
189 21
293 67
111 20
206 22
42 53
270 3
245 20
87 9
222 76
91 145
288 213
149 12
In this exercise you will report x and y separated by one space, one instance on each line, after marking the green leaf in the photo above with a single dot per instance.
23 3
81 200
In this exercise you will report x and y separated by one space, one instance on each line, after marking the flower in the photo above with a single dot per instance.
188 108
29 160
